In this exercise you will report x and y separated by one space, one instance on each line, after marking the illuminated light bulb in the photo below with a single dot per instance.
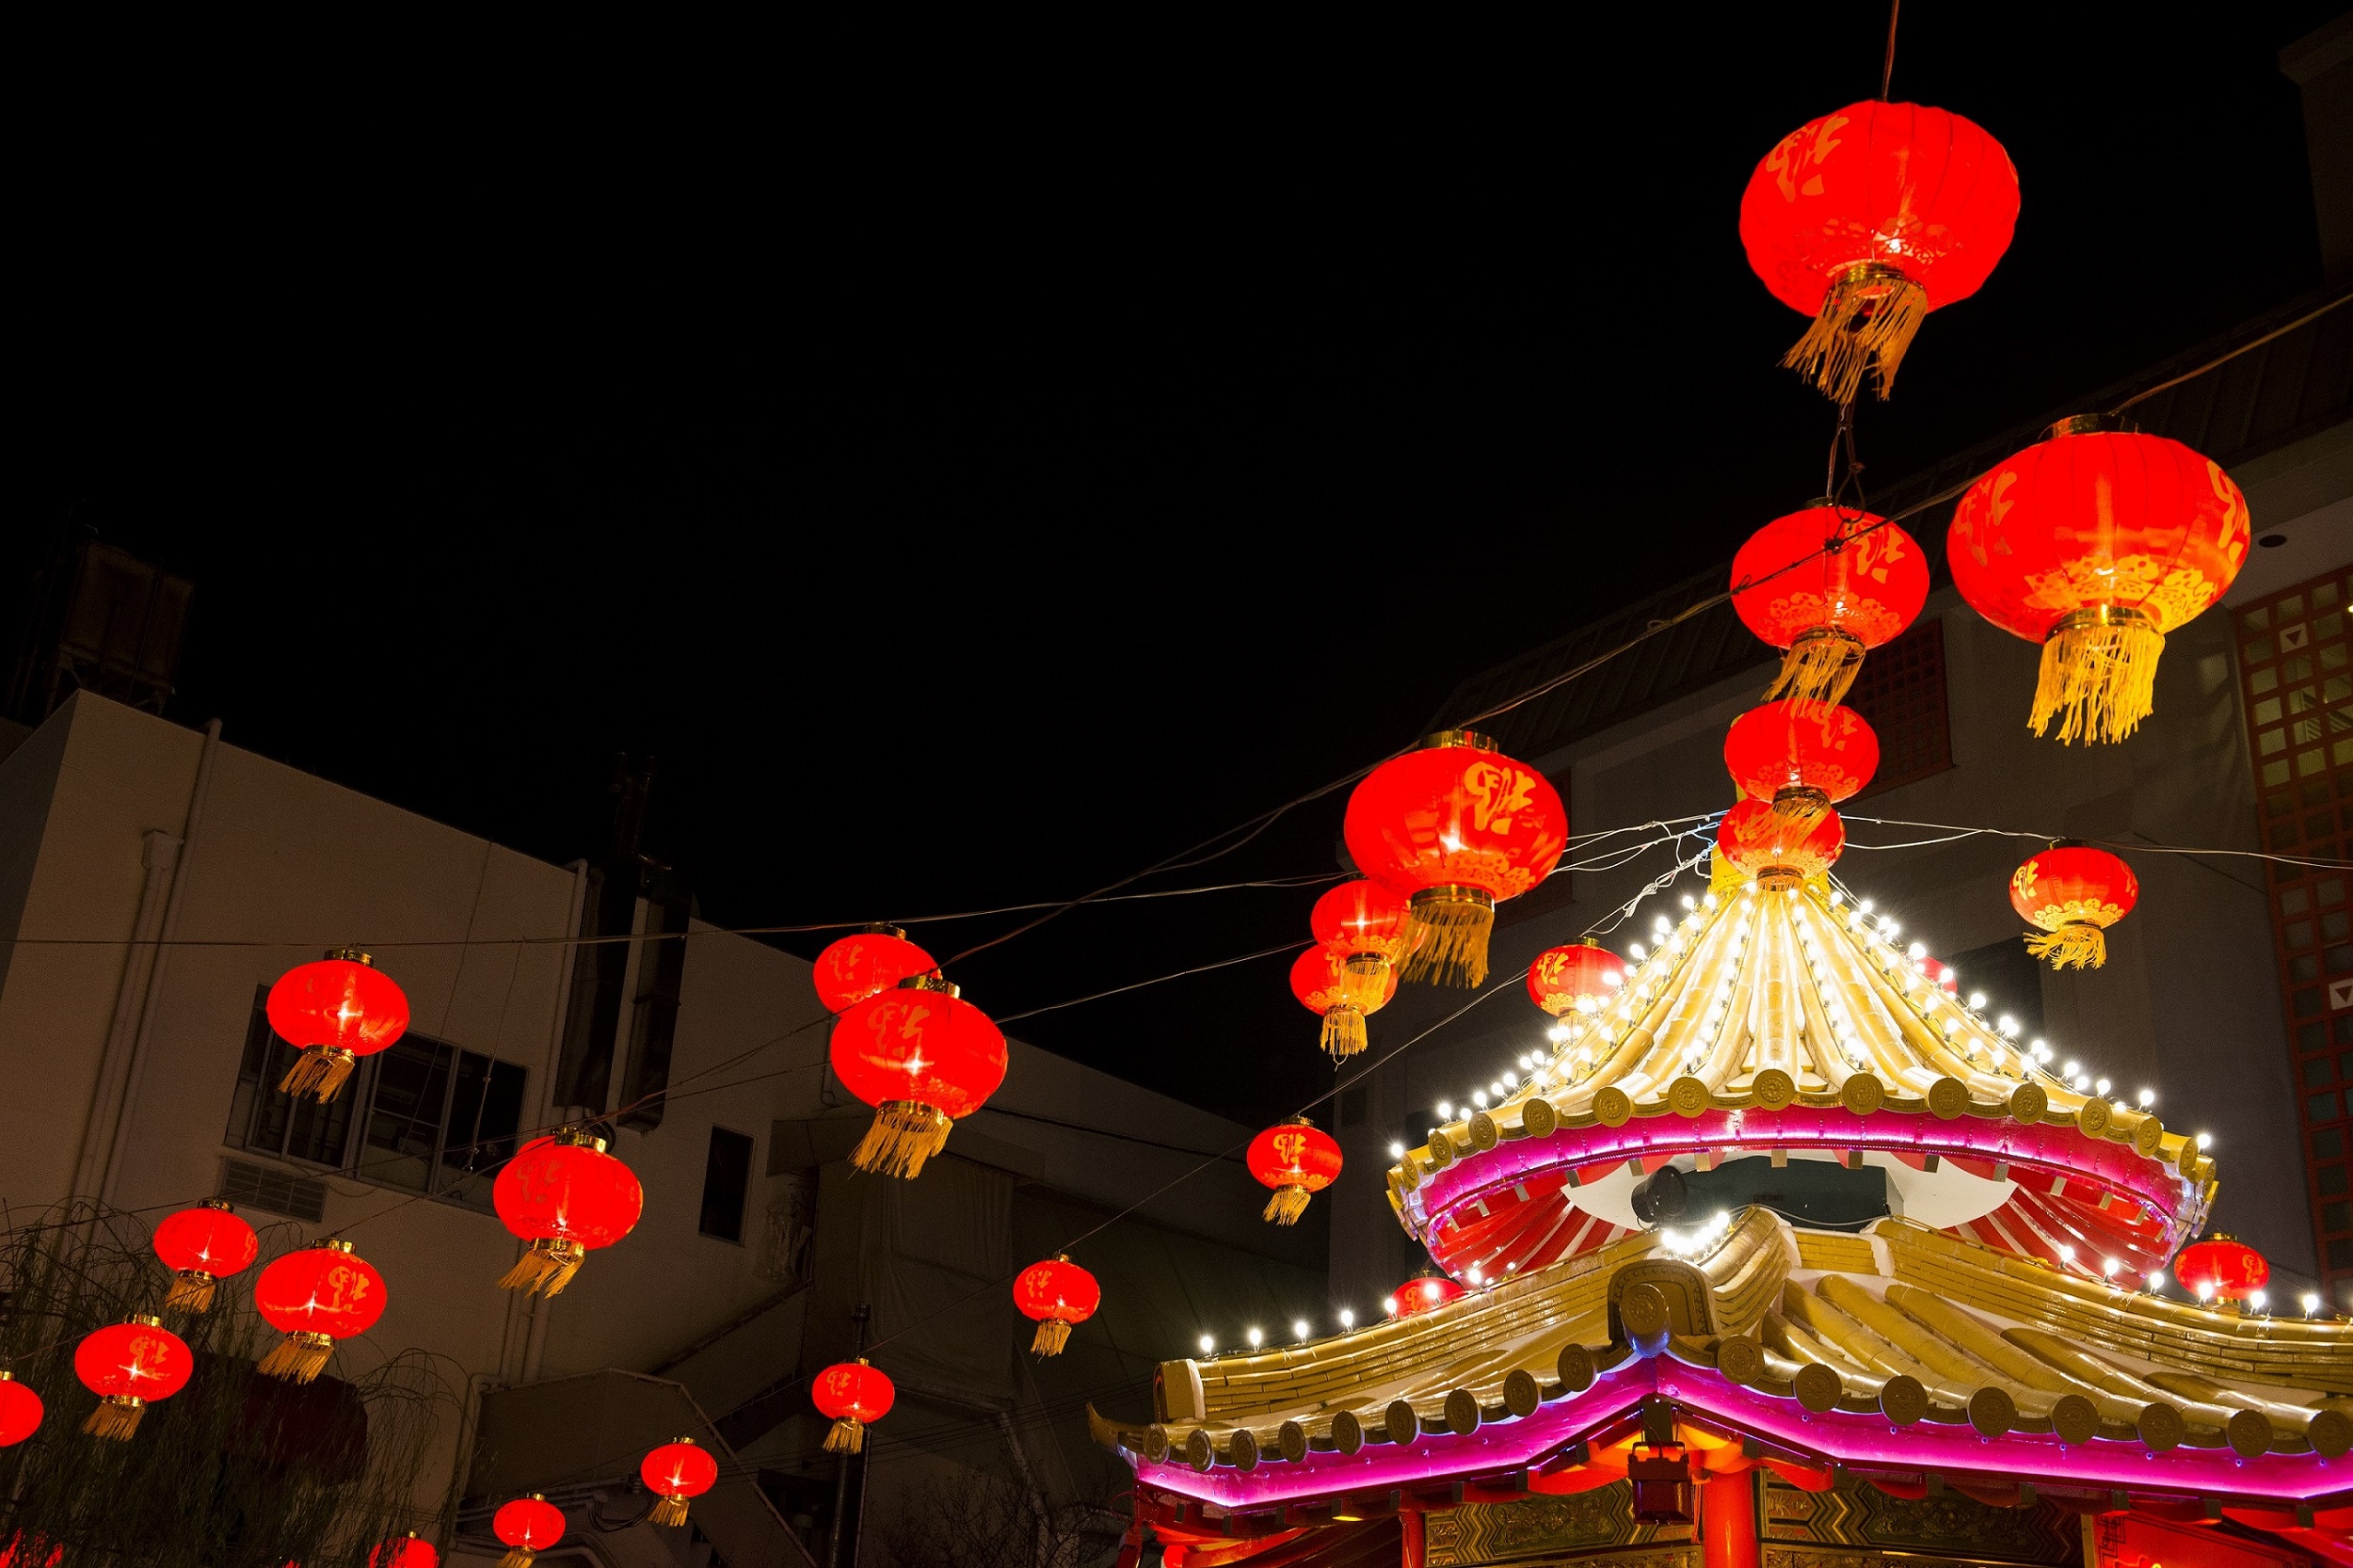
2257 1299
1397 1151
1256 1338
2102 1086
2206 1291
1918 950
1445 1110
2067 1253
2083 1085
1557 1033
2110 1268
1689 903
1708 902
2312 1303
1952 1026
1432 1291
1864 906
1890 928
2156 1280
1299 1330
1208 1345
2147 1097
1976 1001
1472 1273
2037 1048
1478 1098
1662 925
1388 1306
1635 950
2070 1070
2205 1140
2008 1027
1347 1316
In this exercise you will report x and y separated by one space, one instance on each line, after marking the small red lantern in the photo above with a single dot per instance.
855 1395
566 1196
1456 827
20 1410
128 1366
1866 220
1371 928
1055 1294
201 1245
674 1472
315 1297
1298 1162
334 1012
1320 981
924 1059
2096 542
1827 584
526 1527
1426 1291
1801 757
866 963
2073 892
406 1552
1580 978
1779 853
2221 1266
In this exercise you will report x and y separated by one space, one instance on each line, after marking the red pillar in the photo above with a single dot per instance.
1409 1522
1728 1521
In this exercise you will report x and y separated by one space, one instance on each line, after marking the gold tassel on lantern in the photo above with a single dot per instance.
1343 1030
191 1291
299 1358
669 1511
546 1266
904 1134
1451 924
1819 668
519 1557
2078 942
320 1070
1800 808
2099 674
847 1437
1286 1205
1869 316
1051 1335
117 1417
1365 981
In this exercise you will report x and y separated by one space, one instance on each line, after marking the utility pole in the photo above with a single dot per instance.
842 1462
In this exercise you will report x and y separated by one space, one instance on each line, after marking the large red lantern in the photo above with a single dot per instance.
1580 978
2073 892
1800 757
1320 981
334 1012
1298 1162
1425 1292
128 1366
526 1527
2221 1266
853 1395
1775 850
1866 220
1826 585
2096 542
864 963
315 1297
406 1552
20 1410
200 1247
924 1059
566 1196
1055 1294
1456 827
675 1472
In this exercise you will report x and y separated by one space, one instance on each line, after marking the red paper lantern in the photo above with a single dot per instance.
1425 1292
1801 757
1371 929
1776 851
2096 542
201 1245
1055 1294
20 1411
315 1297
1456 827
1827 584
527 1526
566 1196
1866 220
866 963
2073 892
1298 1162
129 1365
924 1059
406 1552
1320 981
853 1395
334 1012
1580 978
675 1472
2221 1266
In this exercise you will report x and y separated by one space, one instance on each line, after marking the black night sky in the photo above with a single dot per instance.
977 469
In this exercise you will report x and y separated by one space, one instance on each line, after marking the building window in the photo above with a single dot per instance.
727 1174
1900 695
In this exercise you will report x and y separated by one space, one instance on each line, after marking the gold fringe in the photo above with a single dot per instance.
1343 1031
669 1511
1869 316
298 1357
117 1417
1365 982
904 1134
191 1291
1051 1335
522 1557
848 1436
1286 1205
1821 667
1453 946
547 1266
1800 808
320 1070
2079 943
2100 675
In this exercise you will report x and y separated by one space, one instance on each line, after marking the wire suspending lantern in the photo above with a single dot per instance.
675 1472
567 1197
2095 542
1320 981
854 1395
1800 758
526 1527
1826 585
924 1059
1296 1158
865 963
1054 1295
129 1365
313 1298
1774 850
2073 893
20 1410
2221 1266
1868 220
334 1012
201 1246
1456 827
